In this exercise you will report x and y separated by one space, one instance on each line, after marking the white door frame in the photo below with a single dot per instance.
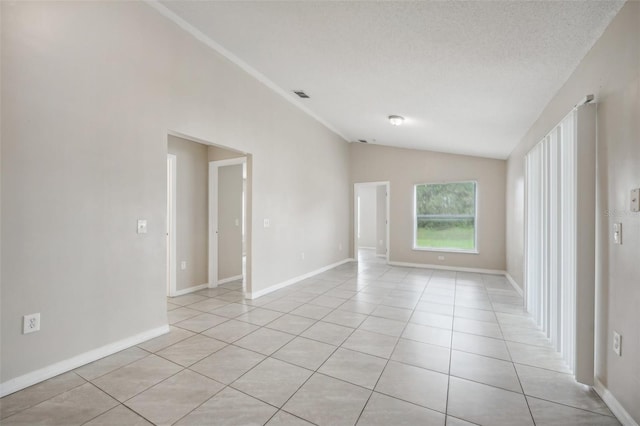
357 186
214 167
172 177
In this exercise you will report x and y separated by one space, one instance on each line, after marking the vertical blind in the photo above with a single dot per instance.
551 233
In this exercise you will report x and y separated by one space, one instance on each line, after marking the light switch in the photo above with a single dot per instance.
142 226
635 200
617 233
237 222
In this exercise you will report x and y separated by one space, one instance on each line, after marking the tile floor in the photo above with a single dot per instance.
362 344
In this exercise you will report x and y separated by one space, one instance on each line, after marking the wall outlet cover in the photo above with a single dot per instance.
30 323
617 343
635 200
617 233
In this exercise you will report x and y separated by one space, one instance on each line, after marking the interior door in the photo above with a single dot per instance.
230 182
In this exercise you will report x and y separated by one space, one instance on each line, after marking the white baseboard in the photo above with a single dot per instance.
270 289
616 408
514 284
190 290
230 279
26 380
448 268
508 276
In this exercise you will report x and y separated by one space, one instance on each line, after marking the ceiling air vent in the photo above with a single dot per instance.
301 94
362 141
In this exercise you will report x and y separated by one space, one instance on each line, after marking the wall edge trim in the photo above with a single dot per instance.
449 268
230 279
514 284
42 374
283 284
190 290
616 408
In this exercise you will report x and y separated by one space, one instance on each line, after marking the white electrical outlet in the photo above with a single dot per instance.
267 223
142 226
617 343
617 233
440 257
183 265
635 200
30 323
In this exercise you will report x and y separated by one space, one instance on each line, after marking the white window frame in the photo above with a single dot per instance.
444 249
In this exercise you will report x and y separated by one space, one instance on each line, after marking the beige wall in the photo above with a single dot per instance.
192 211
216 153
229 221
368 214
94 89
610 71
404 168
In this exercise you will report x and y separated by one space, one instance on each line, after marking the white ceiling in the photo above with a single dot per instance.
469 77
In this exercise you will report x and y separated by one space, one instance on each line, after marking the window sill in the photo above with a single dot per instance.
446 250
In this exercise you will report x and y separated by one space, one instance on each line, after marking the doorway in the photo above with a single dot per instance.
371 222
227 218
198 244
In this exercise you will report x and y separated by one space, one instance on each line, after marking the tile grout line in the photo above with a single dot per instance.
53 396
112 408
573 407
453 318
517 375
391 354
117 368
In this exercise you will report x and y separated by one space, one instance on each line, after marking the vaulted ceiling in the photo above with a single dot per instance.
470 77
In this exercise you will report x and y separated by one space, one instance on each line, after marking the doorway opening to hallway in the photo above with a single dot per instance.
371 221
208 216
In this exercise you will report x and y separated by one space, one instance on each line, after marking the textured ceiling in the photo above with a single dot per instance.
469 77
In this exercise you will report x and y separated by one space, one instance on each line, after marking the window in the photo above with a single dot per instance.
445 216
